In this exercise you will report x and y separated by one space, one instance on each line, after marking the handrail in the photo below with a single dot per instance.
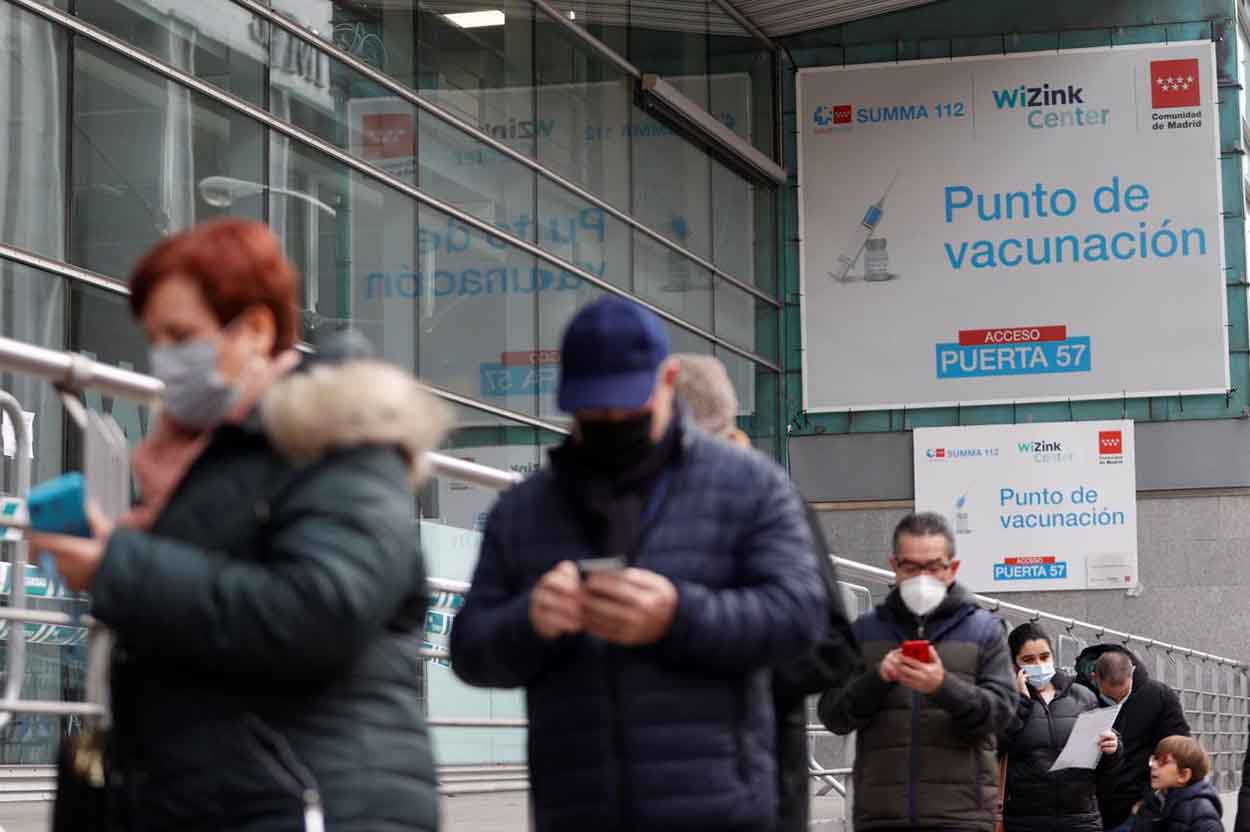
76 371
79 372
998 605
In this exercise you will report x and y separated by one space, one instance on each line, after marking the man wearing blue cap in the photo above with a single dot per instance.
639 589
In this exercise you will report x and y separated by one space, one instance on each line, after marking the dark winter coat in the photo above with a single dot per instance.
834 660
1036 799
927 761
678 735
268 625
1151 712
1194 808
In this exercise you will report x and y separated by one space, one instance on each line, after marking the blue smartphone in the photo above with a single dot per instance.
59 506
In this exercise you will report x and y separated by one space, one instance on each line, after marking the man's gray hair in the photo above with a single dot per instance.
1114 667
704 385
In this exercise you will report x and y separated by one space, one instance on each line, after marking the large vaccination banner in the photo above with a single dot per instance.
1012 229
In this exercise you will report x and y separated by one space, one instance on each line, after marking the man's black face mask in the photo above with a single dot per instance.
611 447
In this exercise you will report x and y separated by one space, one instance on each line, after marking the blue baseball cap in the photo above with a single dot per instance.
611 353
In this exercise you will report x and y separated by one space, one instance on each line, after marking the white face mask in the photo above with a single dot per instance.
922 594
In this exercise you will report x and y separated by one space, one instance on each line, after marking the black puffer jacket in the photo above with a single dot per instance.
1037 800
269 624
1151 712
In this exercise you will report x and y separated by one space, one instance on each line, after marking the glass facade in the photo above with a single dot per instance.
454 191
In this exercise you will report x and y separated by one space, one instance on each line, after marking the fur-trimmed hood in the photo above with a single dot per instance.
332 406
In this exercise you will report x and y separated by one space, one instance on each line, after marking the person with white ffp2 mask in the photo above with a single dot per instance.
937 690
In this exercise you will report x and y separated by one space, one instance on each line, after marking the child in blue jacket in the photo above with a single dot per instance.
1181 799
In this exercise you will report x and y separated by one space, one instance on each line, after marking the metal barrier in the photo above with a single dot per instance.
1215 690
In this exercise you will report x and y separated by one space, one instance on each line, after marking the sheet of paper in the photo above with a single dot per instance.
1081 750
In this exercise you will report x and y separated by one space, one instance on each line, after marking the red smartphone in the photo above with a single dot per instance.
917 650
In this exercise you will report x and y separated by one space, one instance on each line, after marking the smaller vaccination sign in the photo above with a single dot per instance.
1038 506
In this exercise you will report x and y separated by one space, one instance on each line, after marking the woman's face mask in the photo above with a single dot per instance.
1039 674
196 394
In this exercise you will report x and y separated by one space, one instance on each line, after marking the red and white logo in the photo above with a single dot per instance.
1110 443
842 115
388 135
1175 84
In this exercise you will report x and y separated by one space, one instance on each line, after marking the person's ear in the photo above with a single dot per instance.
739 438
1186 775
954 570
261 328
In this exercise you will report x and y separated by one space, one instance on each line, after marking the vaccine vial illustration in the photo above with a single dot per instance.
862 233
962 525
876 260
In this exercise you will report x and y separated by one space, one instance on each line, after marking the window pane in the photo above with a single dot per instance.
354 241
672 282
216 41
583 116
476 178
671 39
735 315
485 73
578 231
477 316
32 133
672 184
740 68
150 158
453 516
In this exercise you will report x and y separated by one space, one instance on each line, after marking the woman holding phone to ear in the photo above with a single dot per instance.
1037 800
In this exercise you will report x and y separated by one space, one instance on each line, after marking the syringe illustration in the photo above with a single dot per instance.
860 236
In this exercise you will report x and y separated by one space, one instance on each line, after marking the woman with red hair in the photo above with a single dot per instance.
266 594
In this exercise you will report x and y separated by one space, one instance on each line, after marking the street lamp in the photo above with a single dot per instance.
224 191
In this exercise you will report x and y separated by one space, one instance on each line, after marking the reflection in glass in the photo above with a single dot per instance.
477 304
671 186
732 52
672 282
671 39
218 42
32 133
584 111
584 234
453 517
484 74
141 145
350 257
477 179
735 315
